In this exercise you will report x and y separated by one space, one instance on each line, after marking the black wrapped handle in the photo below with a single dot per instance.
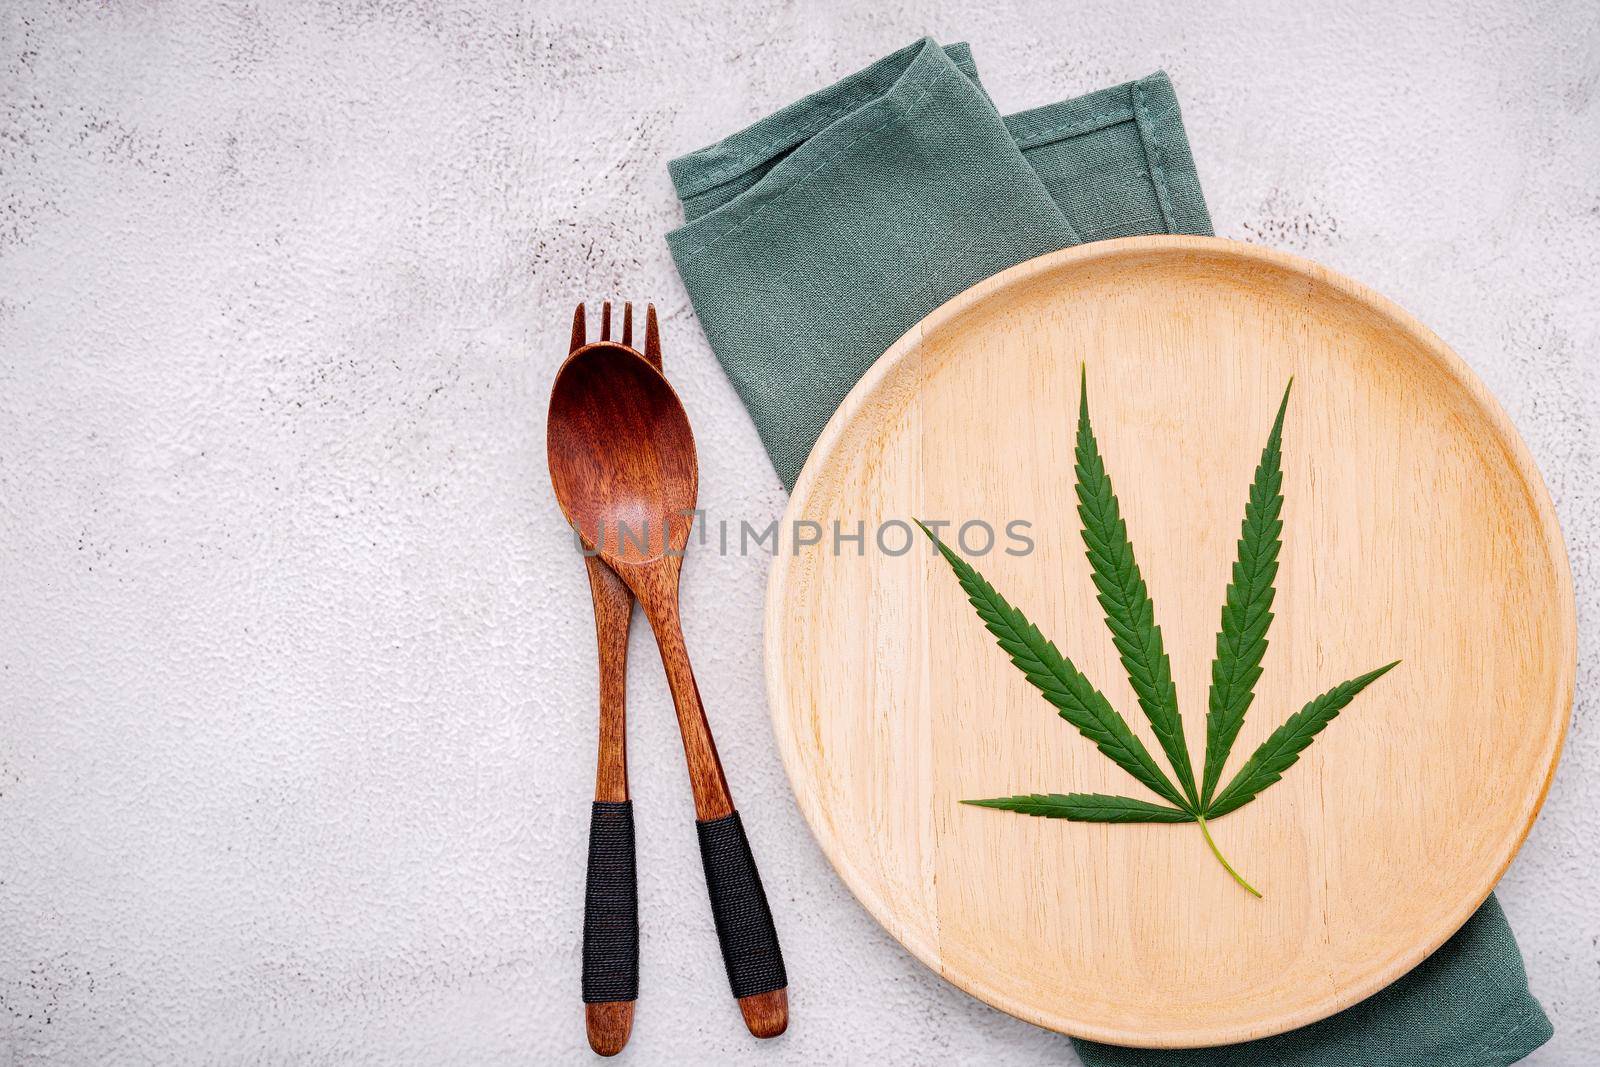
739 906
611 907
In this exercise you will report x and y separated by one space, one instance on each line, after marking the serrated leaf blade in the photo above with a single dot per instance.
1282 750
1061 683
1086 807
1247 611
1129 612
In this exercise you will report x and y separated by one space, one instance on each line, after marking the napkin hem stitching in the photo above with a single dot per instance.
1076 128
1520 1020
1154 150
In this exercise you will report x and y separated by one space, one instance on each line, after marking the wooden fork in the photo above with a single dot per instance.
611 901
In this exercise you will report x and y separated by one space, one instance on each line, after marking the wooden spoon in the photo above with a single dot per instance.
610 921
623 464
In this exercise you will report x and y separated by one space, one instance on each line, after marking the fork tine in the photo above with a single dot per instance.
627 324
605 323
579 333
652 337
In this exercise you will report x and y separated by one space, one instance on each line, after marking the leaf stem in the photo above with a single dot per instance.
1225 864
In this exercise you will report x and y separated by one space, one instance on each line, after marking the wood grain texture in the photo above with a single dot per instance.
766 1014
613 612
609 1024
1415 528
613 600
623 465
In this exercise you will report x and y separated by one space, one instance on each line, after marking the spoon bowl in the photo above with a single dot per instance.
622 455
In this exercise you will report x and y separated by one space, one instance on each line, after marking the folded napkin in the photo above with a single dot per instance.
813 239
819 235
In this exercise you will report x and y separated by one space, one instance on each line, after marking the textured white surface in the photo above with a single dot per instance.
296 665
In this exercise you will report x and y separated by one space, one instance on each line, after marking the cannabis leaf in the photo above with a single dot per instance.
1242 641
1280 751
1086 807
1053 674
1130 616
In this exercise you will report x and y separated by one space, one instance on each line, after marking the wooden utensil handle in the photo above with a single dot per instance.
611 911
738 902
711 797
744 924
613 617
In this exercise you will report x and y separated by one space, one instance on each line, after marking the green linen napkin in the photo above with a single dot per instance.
816 237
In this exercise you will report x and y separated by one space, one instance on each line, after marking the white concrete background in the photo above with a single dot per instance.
296 667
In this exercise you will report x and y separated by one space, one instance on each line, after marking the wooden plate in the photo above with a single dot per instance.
1415 527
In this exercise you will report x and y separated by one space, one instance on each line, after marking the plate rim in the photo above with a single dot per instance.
774 648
